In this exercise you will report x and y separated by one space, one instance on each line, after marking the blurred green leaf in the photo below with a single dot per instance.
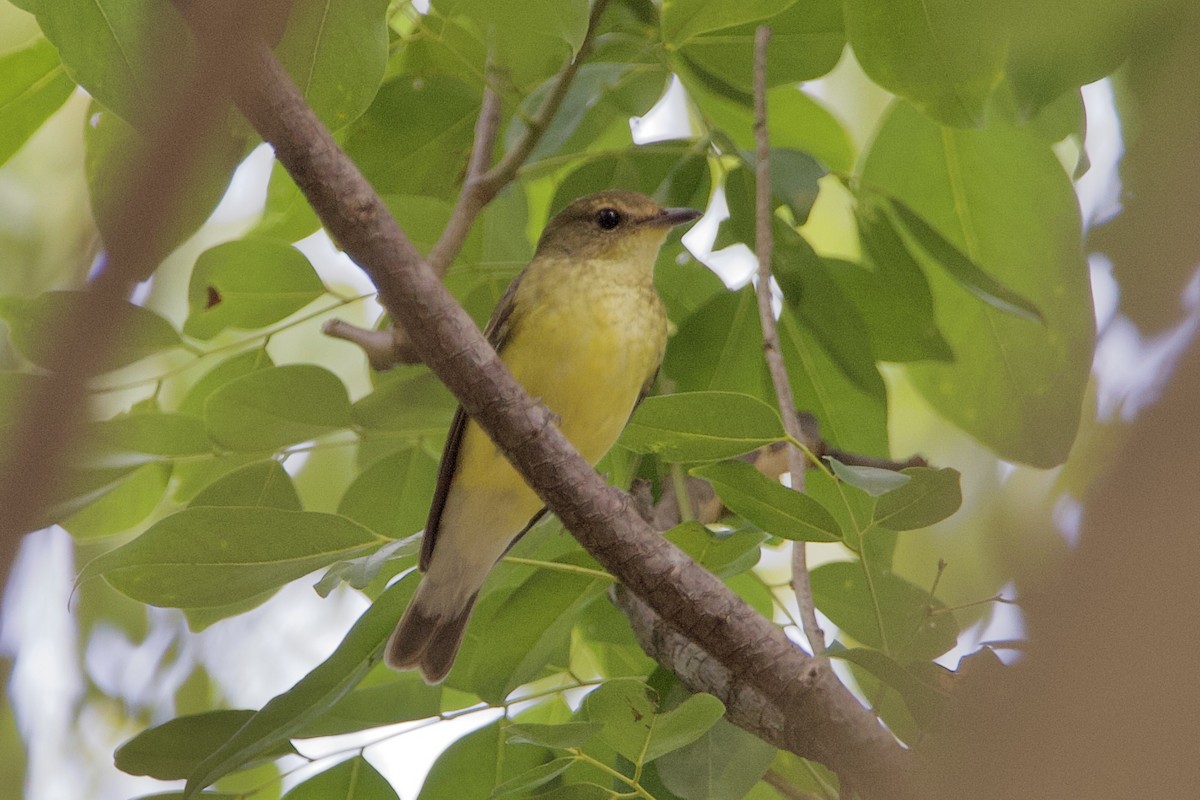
885 612
224 372
930 496
113 149
769 504
673 173
701 426
130 438
33 85
352 779
407 401
33 325
171 751
316 692
263 483
213 555
248 283
128 502
944 56
1002 198
362 571
271 408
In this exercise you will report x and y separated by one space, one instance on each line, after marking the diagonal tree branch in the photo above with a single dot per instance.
841 733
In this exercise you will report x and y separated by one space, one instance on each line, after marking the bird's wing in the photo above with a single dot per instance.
498 333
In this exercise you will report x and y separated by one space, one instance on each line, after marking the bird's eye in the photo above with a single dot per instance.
608 218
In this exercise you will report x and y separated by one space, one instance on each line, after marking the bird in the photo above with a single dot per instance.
582 328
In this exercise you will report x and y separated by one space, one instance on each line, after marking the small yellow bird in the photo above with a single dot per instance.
583 330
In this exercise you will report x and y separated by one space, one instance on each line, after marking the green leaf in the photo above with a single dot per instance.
770 505
1056 47
114 148
722 553
171 751
930 496
961 268
887 612
596 111
119 51
720 347
33 85
672 173
924 698
530 38
795 121
392 496
717 39
336 53
130 501
212 556
33 325
271 408
352 779
944 56
384 697
557 737
416 136
263 483
633 727
851 417
476 763
701 426
794 180
875 481
893 295
512 644
129 438
723 764
287 215
533 778
316 692
1003 199
248 283
362 571
408 402
232 367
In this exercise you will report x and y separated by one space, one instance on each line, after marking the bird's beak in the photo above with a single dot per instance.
670 217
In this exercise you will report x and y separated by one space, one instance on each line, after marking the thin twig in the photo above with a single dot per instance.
765 246
480 187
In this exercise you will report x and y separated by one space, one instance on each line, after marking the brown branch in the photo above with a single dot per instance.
765 246
479 188
840 731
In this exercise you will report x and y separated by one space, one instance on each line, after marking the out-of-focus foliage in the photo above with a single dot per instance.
933 281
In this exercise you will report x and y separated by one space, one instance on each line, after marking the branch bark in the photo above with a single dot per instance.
765 246
756 653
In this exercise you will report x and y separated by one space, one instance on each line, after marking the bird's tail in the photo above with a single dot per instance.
428 637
